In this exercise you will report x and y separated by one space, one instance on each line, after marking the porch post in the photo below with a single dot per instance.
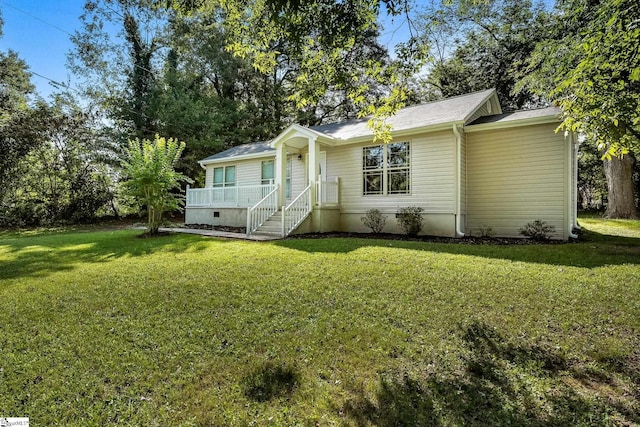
314 156
281 173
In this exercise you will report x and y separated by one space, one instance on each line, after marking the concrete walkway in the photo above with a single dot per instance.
223 234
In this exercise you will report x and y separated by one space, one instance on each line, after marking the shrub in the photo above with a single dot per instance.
486 231
374 220
410 220
537 230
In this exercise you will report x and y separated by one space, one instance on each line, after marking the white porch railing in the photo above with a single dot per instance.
296 211
262 211
327 192
228 197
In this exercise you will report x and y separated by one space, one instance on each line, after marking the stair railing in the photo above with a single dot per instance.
262 211
296 212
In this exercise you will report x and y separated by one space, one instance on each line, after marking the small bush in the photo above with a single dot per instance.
537 230
374 220
410 220
486 231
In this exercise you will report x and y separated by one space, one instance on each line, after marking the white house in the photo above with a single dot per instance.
468 165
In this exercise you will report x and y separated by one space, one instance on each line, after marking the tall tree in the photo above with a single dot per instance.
120 70
590 67
482 45
319 34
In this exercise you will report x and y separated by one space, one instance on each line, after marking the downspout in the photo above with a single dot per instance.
572 188
456 132
576 148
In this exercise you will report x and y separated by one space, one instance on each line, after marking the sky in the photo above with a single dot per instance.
42 45
39 31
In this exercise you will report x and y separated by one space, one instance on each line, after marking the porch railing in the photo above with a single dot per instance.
327 192
296 211
262 211
228 197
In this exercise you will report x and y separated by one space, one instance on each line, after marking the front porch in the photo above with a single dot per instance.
242 205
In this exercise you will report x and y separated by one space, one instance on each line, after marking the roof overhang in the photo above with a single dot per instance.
261 154
529 121
399 134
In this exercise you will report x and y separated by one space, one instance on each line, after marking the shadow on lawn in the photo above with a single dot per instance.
501 383
593 250
44 254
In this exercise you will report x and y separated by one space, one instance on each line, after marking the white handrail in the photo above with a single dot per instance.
262 211
227 197
296 212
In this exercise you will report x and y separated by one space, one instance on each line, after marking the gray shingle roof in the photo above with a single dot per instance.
456 109
242 150
518 115
448 110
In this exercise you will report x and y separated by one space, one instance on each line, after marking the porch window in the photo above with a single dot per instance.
386 169
268 172
224 176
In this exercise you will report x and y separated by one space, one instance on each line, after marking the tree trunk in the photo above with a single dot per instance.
619 174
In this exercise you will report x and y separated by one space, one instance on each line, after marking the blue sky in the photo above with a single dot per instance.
42 46
38 31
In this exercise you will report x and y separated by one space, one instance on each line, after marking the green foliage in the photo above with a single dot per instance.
410 220
486 231
321 37
151 178
537 230
590 68
488 41
375 220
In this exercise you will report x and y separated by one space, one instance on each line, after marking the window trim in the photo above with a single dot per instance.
224 183
385 169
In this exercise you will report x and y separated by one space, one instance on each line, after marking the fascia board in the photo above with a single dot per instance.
512 123
204 163
400 134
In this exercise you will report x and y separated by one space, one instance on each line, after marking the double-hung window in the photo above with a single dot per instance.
268 172
386 169
224 176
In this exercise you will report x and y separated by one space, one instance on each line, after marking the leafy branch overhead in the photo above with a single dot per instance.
320 36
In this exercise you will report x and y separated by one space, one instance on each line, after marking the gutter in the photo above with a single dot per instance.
456 132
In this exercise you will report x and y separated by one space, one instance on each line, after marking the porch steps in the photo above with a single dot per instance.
271 227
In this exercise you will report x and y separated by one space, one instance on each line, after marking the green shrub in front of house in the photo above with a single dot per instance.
375 220
410 220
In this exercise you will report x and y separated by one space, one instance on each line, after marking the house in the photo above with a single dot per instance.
468 165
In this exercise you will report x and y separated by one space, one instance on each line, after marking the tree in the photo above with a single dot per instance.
151 178
590 67
482 45
319 35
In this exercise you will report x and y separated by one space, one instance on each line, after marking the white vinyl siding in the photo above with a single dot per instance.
432 176
515 176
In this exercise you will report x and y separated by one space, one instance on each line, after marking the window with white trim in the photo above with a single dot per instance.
386 169
268 172
224 176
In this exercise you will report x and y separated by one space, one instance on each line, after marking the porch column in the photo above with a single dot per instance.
280 166
314 157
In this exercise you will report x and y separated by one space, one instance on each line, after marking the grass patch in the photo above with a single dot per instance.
103 328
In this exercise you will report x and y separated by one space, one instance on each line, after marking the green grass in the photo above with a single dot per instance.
103 328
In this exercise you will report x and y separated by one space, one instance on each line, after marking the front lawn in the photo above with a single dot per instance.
104 328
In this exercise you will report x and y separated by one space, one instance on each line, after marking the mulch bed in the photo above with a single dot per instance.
467 240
